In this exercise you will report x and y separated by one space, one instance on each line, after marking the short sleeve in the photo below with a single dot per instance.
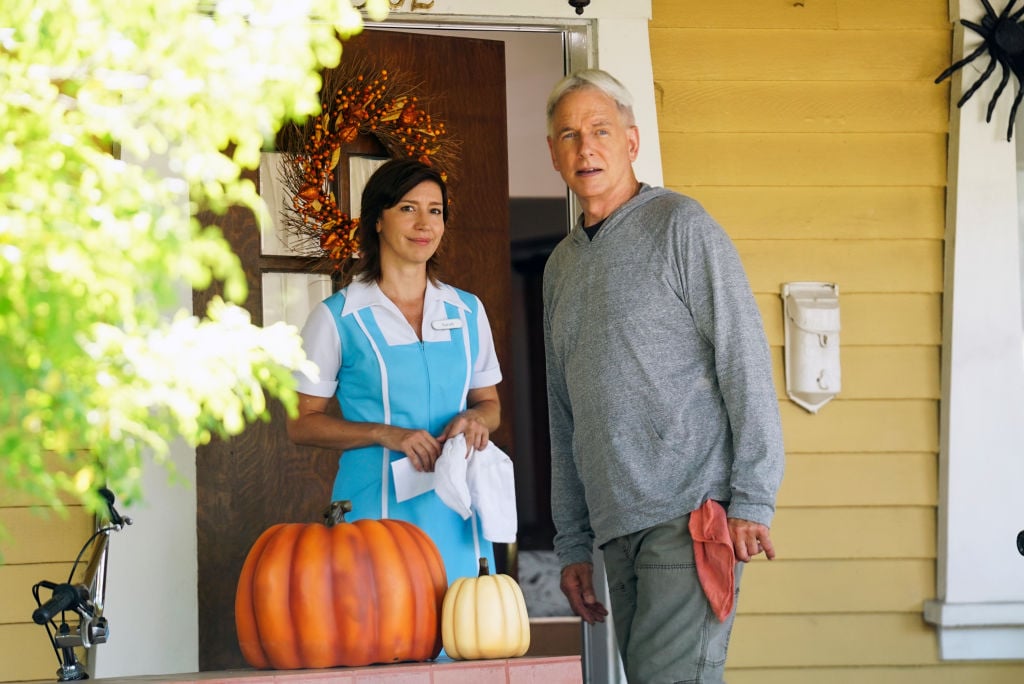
486 371
322 344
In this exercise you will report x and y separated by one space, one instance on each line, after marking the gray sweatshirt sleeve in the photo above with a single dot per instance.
723 306
574 537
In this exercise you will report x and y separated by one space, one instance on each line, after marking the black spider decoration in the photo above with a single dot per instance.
1003 37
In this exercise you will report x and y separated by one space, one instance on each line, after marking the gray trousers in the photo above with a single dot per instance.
665 627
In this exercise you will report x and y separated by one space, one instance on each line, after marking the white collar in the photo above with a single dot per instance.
360 294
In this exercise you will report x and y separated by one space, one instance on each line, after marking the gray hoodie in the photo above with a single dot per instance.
660 384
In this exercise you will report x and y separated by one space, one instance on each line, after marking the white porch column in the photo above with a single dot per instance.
979 610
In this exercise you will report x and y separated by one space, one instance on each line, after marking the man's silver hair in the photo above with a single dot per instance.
598 80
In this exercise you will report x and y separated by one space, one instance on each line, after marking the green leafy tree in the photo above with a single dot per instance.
97 371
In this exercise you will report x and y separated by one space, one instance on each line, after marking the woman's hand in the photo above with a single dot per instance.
420 446
478 421
472 426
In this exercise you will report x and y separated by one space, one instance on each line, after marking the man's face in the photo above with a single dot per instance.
592 147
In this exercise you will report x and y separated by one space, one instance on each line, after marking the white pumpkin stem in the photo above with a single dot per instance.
484 569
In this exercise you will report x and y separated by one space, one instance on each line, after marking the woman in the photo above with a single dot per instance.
410 359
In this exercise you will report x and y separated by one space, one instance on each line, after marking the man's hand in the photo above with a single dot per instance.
578 587
749 539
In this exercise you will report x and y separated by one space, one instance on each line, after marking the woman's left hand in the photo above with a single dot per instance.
469 424
478 421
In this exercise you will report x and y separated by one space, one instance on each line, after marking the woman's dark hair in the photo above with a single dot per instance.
385 188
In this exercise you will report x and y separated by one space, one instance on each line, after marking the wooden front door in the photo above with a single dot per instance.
259 478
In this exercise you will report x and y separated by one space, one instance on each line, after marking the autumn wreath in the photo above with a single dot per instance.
356 100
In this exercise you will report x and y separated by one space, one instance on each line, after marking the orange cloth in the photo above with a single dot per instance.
716 560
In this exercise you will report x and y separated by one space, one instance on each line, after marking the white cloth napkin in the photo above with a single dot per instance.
492 490
450 475
483 483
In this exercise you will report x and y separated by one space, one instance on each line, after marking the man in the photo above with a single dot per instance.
660 396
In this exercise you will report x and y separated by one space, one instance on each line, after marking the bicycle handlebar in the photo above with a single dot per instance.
65 597
84 598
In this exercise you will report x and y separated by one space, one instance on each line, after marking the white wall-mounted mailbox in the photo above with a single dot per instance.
811 312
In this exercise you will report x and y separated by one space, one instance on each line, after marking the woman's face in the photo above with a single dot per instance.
410 231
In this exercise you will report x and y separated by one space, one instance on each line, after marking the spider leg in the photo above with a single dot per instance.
977 84
988 8
969 58
1013 113
999 91
977 28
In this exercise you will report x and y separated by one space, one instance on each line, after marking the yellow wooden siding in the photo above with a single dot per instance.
894 532
871 426
826 586
902 478
890 372
835 639
879 372
828 159
813 132
806 14
756 54
40 544
17 581
948 673
19 499
42 535
870 319
799 106
26 654
841 213
909 265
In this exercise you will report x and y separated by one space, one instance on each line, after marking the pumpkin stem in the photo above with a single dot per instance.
335 513
484 570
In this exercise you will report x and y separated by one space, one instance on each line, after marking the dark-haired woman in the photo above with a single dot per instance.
410 359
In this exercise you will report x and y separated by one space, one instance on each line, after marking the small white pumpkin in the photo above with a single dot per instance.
484 617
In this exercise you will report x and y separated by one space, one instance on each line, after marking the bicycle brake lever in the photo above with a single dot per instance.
115 517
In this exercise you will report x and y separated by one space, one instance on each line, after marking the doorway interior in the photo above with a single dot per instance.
539 216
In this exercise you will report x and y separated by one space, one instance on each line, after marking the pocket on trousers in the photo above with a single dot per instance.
719 634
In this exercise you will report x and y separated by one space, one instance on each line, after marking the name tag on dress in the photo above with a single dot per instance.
446 324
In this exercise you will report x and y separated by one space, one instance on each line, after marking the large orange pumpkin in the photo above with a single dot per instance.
314 596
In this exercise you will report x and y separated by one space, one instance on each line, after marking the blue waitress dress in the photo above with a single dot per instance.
381 372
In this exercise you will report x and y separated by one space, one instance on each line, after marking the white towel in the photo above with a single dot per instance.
483 483
450 478
492 490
